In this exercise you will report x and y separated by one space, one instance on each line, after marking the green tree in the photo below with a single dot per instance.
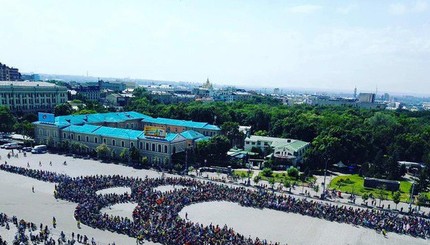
213 150
365 197
422 199
7 120
286 183
63 109
272 182
134 154
231 131
396 197
267 172
382 194
257 179
103 151
261 133
423 179
25 128
124 155
293 172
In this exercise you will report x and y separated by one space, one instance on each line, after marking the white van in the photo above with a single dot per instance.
38 149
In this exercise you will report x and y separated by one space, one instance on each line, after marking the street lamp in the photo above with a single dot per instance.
69 145
129 147
325 176
411 197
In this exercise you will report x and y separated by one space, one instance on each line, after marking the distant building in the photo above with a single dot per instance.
89 92
30 77
113 86
289 149
117 99
204 91
348 102
329 101
9 73
31 96
426 106
366 97
386 97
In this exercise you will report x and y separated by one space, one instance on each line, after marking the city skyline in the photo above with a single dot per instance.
322 45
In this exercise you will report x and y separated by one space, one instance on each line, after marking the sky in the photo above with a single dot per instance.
329 44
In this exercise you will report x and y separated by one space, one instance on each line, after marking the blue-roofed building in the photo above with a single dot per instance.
129 119
193 137
179 126
119 131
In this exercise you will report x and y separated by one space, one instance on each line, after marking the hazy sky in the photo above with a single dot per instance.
268 43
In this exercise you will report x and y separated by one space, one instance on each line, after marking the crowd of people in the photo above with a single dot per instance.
30 233
156 218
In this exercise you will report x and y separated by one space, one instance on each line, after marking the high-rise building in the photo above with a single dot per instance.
31 96
366 97
9 73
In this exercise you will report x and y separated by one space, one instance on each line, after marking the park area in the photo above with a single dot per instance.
354 184
34 201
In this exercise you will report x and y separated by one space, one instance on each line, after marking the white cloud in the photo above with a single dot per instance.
420 6
305 9
346 9
397 9
401 9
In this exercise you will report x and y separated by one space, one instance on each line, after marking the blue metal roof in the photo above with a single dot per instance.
106 131
98 118
120 133
192 135
181 123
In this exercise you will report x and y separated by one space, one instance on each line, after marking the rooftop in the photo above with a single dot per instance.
181 123
27 84
120 133
98 118
192 135
292 144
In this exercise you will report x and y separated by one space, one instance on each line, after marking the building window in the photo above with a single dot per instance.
147 147
113 142
122 143
159 148
64 135
79 138
95 140
140 145
104 141
87 139
71 136
131 144
153 147
165 149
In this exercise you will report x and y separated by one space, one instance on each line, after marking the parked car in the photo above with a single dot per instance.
39 149
27 149
11 146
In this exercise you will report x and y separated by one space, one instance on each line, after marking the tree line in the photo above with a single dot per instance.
374 138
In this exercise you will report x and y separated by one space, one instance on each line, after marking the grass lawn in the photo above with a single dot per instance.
280 177
242 173
355 184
